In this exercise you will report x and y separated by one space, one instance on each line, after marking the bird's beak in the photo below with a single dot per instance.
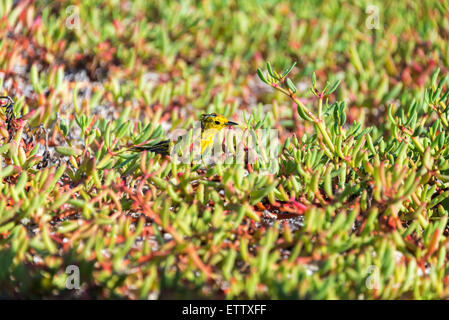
231 123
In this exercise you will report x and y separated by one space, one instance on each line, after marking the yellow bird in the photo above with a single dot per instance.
210 125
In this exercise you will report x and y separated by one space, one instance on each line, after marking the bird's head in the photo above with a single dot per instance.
215 121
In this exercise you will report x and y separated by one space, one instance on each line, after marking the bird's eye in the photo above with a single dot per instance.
217 122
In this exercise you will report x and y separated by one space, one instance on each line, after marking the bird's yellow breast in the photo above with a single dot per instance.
207 138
